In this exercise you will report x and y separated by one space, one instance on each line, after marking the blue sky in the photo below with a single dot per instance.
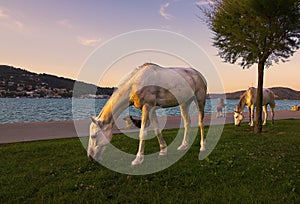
56 37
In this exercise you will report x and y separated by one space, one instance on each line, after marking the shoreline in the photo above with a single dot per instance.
35 131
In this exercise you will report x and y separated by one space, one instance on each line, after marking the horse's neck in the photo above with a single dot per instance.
241 104
117 103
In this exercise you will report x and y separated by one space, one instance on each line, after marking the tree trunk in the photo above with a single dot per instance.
259 97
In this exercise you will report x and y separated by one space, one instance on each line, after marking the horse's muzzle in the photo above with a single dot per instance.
91 158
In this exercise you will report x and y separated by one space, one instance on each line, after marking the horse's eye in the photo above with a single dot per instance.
93 136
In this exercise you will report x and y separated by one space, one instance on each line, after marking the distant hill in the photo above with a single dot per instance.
281 93
16 82
286 93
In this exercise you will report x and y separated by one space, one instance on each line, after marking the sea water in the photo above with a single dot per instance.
19 110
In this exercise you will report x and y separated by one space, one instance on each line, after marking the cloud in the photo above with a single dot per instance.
65 23
18 24
167 27
3 13
203 3
163 13
88 41
9 20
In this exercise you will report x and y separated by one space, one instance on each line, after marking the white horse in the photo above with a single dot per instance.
249 98
147 88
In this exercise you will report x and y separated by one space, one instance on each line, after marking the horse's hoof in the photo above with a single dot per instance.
138 160
202 149
163 152
182 147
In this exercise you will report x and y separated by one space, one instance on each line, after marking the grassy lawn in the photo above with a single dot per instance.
243 168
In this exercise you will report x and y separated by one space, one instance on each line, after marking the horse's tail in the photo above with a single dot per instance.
137 122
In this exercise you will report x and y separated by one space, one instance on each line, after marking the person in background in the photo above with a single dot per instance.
220 107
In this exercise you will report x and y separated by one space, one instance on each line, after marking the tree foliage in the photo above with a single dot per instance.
253 31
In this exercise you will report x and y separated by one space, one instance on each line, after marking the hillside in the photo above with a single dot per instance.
16 82
281 93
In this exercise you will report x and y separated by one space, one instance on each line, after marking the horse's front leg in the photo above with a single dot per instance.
265 114
272 114
251 112
143 134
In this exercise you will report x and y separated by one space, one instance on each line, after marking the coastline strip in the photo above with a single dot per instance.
24 132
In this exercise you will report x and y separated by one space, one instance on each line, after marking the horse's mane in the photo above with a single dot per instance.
134 71
241 104
123 84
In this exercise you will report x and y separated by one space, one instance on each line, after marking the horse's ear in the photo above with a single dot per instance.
239 112
95 121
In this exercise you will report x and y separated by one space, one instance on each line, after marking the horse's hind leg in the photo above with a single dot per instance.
200 101
162 142
184 108
201 126
265 114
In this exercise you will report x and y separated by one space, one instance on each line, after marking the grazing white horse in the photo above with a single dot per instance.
147 88
249 98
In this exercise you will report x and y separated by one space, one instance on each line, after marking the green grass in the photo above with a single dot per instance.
243 168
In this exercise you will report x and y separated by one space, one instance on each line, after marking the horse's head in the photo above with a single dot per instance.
100 136
238 117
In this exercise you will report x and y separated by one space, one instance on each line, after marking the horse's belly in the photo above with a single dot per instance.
167 102
158 96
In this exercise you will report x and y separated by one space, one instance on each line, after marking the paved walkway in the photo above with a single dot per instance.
21 132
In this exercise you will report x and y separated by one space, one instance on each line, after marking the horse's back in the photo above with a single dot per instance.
166 87
152 74
268 96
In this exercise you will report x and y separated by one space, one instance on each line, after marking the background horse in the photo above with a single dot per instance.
147 88
249 98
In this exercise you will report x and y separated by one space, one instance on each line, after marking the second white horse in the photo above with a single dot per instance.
249 98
